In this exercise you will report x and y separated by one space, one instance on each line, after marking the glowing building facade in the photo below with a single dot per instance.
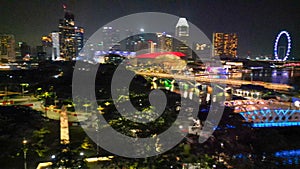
67 38
79 36
111 38
164 42
7 47
55 45
181 40
225 44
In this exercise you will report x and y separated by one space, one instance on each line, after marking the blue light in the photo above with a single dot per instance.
288 153
122 53
230 126
275 124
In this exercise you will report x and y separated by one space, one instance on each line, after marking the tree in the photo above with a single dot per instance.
38 141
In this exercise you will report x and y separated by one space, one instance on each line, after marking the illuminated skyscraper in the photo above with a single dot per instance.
225 44
164 42
182 37
24 48
151 46
7 47
182 30
55 45
79 35
111 38
67 38
46 50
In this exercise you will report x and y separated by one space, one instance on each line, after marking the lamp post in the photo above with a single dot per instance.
86 106
97 128
24 85
25 152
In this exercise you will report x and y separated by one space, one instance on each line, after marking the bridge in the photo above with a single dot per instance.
208 79
255 111
266 113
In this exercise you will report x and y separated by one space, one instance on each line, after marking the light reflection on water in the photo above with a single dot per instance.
282 76
289 157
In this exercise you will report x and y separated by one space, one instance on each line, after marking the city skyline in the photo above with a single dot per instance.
256 23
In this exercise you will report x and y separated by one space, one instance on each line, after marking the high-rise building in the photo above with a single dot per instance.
67 39
151 46
55 46
111 38
182 37
164 42
24 49
41 53
7 47
128 43
79 36
225 44
182 30
46 40
45 52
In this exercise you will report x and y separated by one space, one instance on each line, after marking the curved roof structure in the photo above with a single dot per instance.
154 55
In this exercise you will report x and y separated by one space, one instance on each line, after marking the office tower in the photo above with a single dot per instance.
225 44
46 49
111 38
24 49
151 46
7 47
55 45
164 42
67 39
181 40
79 36
46 41
41 52
128 43
182 30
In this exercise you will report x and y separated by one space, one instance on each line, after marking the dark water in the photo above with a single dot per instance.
282 76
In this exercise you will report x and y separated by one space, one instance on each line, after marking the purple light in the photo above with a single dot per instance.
276 46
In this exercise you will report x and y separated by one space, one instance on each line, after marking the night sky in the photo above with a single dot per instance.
257 22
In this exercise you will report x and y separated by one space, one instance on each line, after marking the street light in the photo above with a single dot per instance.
100 108
24 85
53 157
86 106
25 149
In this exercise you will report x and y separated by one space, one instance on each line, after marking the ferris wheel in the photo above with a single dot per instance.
287 53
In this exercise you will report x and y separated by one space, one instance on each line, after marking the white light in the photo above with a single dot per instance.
276 46
81 154
53 156
142 30
297 103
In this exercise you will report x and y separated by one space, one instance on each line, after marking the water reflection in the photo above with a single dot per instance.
289 157
282 76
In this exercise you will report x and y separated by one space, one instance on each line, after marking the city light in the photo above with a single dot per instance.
150 89
275 124
288 46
